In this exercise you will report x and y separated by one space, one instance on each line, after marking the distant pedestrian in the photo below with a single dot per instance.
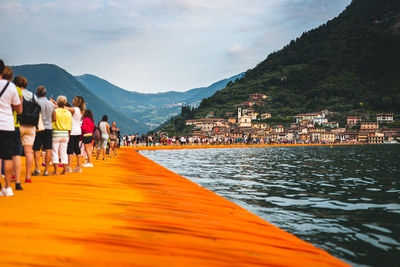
114 139
105 133
87 133
9 101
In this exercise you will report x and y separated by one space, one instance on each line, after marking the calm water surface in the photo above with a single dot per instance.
344 199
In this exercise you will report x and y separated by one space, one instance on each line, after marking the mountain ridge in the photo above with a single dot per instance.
154 108
59 82
348 64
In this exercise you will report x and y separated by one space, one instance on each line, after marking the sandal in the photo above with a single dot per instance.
36 172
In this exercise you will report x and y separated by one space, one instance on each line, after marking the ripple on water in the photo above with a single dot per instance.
345 200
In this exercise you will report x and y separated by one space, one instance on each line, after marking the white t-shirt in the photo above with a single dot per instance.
27 95
76 122
9 97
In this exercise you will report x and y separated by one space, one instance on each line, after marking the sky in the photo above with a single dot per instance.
155 45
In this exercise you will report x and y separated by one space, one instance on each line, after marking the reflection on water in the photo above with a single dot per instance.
344 199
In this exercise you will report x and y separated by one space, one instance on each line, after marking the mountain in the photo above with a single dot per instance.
350 65
59 82
153 109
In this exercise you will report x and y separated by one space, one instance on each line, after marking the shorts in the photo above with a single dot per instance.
73 145
6 144
17 145
43 140
28 134
87 139
103 142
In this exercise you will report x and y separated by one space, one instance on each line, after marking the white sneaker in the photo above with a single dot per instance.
87 165
7 192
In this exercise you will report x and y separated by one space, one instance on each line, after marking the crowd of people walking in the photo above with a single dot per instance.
47 132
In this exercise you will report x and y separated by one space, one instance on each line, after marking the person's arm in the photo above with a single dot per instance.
53 116
16 102
108 128
54 102
70 109
17 108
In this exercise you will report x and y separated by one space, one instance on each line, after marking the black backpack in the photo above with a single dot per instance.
30 112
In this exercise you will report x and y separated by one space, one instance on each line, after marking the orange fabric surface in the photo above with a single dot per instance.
132 211
140 148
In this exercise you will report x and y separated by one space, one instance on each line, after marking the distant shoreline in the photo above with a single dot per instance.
142 148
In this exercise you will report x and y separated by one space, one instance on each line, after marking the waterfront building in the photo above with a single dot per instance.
353 120
232 120
369 126
384 118
315 137
376 138
313 117
257 97
247 104
265 116
328 137
331 124
351 136
259 103
304 137
362 137
259 125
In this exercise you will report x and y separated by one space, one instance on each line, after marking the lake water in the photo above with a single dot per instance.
344 199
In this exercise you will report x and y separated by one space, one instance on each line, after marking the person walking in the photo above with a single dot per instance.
61 128
73 144
87 133
114 139
43 139
9 101
20 82
28 126
105 134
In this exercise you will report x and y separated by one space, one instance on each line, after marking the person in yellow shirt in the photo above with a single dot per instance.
61 129
20 82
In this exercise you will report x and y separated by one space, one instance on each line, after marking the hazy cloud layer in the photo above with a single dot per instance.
155 45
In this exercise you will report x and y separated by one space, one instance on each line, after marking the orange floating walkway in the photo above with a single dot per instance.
172 147
131 211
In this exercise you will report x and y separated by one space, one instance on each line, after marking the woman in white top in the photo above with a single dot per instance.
73 144
105 134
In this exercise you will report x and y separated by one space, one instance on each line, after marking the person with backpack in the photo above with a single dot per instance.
43 139
28 119
9 101
20 82
87 133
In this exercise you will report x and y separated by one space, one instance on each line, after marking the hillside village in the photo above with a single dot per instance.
305 128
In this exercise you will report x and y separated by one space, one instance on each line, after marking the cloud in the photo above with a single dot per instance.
318 10
155 45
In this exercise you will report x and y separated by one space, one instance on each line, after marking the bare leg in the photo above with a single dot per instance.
103 153
48 159
36 155
8 168
29 160
78 158
17 168
69 165
64 169
88 152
